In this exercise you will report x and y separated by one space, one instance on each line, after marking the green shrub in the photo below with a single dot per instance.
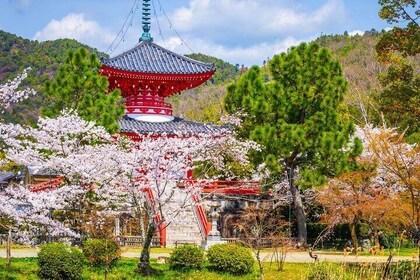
101 252
59 262
186 257
230 258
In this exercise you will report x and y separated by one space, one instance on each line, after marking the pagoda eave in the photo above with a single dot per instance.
166 83
118 73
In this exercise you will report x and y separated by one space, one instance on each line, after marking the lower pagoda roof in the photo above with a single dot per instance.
176 126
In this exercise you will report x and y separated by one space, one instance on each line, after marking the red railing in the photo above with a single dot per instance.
226 187
50 184
148 104
161 226
205 225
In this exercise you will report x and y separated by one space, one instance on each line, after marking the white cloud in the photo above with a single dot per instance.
241 31
356 32
76 26
238 31
247 55
233 22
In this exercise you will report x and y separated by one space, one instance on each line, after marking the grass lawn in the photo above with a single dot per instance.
26 269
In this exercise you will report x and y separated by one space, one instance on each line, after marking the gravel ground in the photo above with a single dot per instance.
298 257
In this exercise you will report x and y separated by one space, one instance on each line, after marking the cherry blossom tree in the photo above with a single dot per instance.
160 164
9 92
355 197
379 193
64 146
85 157
104 172
22 213
398 164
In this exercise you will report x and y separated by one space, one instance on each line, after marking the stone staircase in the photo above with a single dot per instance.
184 225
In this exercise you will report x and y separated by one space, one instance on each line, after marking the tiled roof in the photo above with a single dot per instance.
33 170
177 125
147 57
6 176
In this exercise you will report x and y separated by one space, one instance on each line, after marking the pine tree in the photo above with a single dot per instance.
401 95
297 120
79 86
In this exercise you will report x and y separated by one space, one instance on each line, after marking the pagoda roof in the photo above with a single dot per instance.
177 125
147 57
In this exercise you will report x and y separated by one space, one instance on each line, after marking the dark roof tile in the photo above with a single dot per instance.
178 125
147 57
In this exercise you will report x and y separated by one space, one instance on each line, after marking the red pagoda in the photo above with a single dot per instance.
147 74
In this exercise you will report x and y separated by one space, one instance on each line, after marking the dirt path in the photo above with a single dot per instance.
297 257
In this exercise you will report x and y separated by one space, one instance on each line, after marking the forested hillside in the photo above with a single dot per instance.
44 58
356 53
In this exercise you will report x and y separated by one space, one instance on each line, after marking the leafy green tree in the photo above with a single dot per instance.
297 120
401 95
400 98
79 86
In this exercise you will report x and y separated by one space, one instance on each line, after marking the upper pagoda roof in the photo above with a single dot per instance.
147 57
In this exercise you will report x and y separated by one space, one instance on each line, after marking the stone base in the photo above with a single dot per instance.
208 243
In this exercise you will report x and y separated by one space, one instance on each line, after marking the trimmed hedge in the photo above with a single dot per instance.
101 252
186 257
230 258
60 262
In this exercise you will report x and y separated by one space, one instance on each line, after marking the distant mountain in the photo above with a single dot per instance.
356 54
358 58
225 72
17 53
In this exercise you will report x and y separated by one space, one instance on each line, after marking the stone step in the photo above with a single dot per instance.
184 229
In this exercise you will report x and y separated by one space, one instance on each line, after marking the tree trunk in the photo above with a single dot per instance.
260 265
353 234
298 207
377 243
8 248
142 224
143 266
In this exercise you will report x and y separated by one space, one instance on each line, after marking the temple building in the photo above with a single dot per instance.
147 74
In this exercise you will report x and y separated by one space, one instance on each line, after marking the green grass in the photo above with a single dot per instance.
26 269
20 269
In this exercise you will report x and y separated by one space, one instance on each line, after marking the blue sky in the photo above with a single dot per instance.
238 31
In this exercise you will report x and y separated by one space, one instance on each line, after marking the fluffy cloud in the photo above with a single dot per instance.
247 55
248 31
356 32
76 26
235 22
238 31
